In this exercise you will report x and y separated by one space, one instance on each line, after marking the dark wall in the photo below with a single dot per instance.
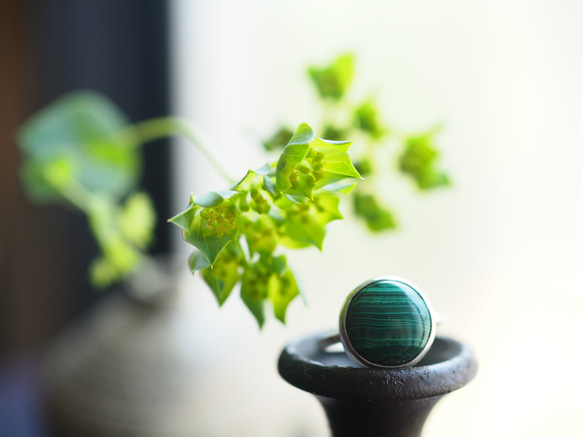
119 48
47 48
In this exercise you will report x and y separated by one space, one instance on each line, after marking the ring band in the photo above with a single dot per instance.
387 322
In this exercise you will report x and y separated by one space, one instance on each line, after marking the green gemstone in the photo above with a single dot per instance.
388 323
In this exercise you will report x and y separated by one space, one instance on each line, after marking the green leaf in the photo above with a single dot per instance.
213 198
184 218
269 184
250 176
275 264
203 237
344 187
197 261
367 119
44 181
260 233
326 207
336 133
282 290
294 153
85 129
254 291
121 252
377 216
60 172
306 223
434 179
278 140
137 220
303 135
302 185
303 231
336 162
223 277
309 163
364 167
120 256
419 161
103 273
209 222
334 80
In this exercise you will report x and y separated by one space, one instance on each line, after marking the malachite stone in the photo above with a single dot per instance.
388 323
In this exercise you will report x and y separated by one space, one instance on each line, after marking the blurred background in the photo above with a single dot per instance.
499 253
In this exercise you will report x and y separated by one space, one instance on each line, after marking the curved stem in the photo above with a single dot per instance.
156 128
77 195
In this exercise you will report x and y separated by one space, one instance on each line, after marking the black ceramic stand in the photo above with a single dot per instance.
367 402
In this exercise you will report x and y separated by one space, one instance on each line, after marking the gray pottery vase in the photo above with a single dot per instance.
126 370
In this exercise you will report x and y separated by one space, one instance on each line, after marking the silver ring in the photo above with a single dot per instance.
387 322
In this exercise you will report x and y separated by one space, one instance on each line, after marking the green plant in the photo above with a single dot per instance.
342 118
81 151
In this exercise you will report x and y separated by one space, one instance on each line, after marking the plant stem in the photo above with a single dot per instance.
161 127
77 195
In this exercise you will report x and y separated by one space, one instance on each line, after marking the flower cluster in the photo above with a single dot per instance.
220 220
237 233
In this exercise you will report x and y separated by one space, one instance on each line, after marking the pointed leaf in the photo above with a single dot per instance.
204 238
213 198
184 218
336 133
120 253
85 127
278 140
334 80
274 264
288 199
368 119
336 163
306 223
254 292
209 222
418 160
304 187
364 167
137 219
296 241
302 231
294 153
269 184
344 187
261 234
197 261
251 174
37 180
223 277
103 273
304 134
326 207
282 290
376 215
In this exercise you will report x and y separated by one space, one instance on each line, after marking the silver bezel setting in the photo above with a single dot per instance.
344 338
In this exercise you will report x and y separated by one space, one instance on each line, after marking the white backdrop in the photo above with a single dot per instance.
500 252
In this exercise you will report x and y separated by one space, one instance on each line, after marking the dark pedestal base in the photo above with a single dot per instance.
367 402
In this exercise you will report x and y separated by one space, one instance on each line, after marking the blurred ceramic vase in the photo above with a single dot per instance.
128 369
